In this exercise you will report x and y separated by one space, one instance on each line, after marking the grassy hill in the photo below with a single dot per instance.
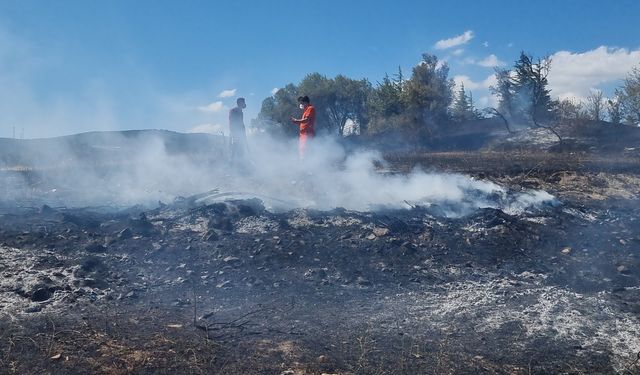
100 147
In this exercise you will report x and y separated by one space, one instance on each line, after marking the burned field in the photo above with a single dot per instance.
219 284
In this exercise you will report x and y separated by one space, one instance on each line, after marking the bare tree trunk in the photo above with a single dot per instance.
495 112
549 128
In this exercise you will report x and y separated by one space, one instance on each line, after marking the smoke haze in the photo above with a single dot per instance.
122 169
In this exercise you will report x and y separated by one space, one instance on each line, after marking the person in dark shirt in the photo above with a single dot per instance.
237 132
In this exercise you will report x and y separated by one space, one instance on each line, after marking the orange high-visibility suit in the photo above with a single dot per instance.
307 129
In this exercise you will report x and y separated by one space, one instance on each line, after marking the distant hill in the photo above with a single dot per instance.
491 134
101 147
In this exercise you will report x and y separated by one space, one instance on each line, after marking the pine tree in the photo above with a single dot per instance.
504 91
460 110
463 109
399 79
530 87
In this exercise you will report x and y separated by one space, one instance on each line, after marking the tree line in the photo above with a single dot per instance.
426 102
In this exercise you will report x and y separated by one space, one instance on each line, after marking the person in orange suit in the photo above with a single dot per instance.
307 125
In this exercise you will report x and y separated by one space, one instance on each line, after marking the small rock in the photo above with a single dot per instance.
380 232
87 281
224 284
362 281
210 236
220 222
95 248
371 236
231 259
131 294
33 309
125 233
41 294
622 269
408 246
566 250
46 210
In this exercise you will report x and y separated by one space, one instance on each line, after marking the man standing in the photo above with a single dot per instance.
237 131
307 124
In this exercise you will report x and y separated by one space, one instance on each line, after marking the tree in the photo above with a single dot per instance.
350 99
399 78
495 112
428 93
386 106
336 101
411 105
629 95
595 106
277 109
524 96
567 109
531 87
614 111
504 91
462 108
523 93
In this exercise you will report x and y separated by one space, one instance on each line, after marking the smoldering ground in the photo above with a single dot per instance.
123 169
420 274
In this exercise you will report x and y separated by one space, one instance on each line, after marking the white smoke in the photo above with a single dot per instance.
330 178
144 170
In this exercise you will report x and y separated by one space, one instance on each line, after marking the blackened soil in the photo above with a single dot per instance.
233 289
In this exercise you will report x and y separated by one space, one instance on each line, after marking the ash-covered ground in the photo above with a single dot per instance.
222 282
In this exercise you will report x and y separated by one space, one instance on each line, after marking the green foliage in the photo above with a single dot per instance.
428 93
463 108
336 101
276 111
523 93
350 98
412 105
504 91
531 85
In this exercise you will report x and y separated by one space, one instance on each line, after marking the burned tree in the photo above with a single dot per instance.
595 106
614 111
495 112
503 90
629 95
524 96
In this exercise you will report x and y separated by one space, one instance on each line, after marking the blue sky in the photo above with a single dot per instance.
72 65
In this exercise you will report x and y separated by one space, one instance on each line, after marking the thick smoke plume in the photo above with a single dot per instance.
148 167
